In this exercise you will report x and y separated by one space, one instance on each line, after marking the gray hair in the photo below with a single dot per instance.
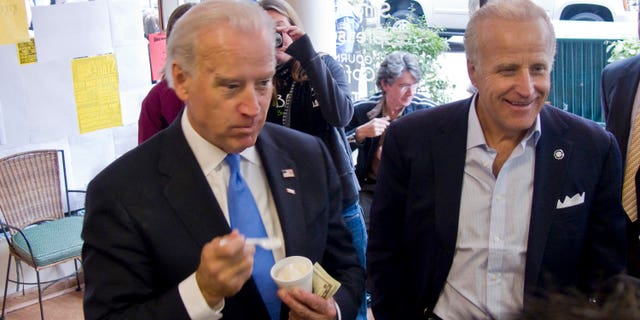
394 64
242 15
514 10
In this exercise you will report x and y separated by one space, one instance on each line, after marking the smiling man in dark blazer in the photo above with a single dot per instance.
620 102
157 240
482 202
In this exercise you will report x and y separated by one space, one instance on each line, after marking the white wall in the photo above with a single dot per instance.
37 102
318 20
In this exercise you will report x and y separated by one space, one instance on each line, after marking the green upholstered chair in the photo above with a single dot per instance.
33 186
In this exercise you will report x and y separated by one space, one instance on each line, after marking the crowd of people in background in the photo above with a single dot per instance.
498 206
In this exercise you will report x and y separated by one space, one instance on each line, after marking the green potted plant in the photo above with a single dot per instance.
622 49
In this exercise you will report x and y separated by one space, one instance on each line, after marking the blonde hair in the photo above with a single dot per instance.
284 8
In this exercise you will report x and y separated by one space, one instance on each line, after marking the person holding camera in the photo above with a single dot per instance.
312 96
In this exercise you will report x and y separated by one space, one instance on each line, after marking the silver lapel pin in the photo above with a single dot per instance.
558 154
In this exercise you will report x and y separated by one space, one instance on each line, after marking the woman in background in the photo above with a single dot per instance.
312 96
161 105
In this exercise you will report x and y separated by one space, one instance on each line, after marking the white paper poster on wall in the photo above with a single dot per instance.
133 65
50 105
131 100
125 138
13 96
126 22
72 30
3 136
90 153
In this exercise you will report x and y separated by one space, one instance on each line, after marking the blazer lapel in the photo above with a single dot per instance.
285 189
449 163
188 191
552 151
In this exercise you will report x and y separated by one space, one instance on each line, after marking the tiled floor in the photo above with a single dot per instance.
64 307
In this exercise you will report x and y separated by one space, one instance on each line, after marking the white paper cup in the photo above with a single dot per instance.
293 272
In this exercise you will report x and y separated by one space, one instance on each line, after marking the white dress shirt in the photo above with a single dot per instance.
486 280
211 161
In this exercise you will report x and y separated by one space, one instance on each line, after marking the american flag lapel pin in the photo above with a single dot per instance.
288 173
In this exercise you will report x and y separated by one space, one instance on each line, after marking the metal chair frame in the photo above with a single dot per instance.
9 230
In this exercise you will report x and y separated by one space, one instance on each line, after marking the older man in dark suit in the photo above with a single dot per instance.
482 202
620 98
158 242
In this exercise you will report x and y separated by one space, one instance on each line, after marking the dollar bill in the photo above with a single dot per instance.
324 285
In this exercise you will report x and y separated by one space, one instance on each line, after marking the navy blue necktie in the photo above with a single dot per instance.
245 216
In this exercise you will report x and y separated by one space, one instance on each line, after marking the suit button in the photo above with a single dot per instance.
425 312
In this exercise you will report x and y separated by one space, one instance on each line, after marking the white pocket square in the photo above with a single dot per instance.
570 202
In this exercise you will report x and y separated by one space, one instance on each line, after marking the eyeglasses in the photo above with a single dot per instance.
406 86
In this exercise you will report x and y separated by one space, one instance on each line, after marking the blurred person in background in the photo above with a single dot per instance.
620 98
397 78
312 96
161 105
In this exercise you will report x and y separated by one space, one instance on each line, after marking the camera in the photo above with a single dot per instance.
279 41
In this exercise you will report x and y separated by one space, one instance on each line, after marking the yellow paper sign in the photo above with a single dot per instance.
95 84
13 22
27 52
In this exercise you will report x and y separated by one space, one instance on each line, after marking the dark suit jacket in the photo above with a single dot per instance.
151 211
414 217
619 84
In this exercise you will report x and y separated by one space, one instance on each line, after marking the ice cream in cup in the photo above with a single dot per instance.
293 272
